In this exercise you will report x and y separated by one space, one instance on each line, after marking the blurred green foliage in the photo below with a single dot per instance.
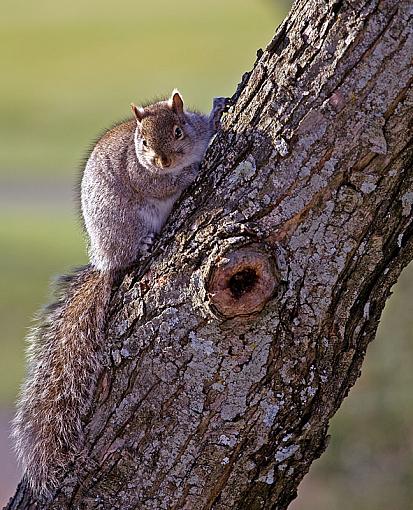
36 246
71 68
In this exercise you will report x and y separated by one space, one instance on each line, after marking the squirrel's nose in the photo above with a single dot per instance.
166 162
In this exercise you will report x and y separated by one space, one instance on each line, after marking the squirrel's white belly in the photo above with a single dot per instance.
157 211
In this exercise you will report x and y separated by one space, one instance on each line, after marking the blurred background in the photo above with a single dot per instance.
69 70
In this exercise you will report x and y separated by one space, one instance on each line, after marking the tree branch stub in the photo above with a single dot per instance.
242 281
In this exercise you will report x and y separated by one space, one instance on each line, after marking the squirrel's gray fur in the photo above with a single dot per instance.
135 173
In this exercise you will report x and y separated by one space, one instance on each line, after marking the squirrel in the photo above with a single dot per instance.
135 173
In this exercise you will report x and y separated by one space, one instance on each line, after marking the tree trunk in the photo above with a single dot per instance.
228 356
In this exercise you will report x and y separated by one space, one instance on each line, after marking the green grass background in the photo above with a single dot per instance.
71 68
68 70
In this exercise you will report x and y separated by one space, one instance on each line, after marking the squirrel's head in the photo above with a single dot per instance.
168 138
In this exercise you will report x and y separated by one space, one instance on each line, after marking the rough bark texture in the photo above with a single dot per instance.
217 394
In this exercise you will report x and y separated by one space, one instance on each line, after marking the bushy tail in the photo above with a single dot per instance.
62 369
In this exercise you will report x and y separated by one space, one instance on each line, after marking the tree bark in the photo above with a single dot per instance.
229 354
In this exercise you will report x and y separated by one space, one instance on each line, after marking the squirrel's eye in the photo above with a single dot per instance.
145 143
178 133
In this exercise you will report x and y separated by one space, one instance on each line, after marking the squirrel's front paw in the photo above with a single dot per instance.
218 107
147 243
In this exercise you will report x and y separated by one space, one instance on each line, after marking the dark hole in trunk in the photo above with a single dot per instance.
242 282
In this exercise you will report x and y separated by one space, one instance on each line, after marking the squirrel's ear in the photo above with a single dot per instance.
138 112
176 103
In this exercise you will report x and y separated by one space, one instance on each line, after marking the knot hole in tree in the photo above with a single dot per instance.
242 281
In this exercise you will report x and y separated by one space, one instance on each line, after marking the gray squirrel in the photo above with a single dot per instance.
135 173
